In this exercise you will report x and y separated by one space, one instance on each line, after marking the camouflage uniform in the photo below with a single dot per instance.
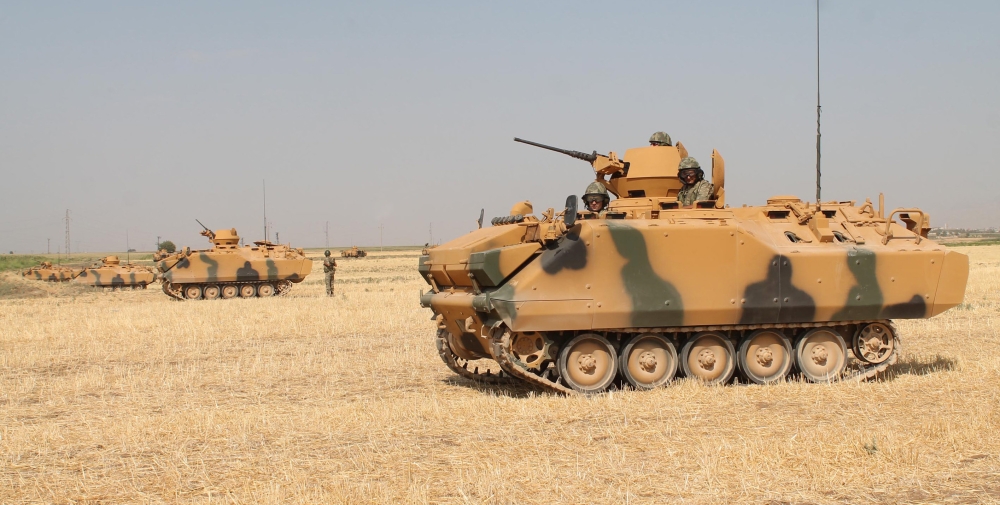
700 190
329 268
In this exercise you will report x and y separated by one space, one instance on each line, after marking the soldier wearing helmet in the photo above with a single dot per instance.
329 268
596 199
660 139
695 188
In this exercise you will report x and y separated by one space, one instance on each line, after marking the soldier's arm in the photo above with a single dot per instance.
703 191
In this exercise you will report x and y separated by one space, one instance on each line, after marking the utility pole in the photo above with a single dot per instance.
67 233
157 248
380 237
818 108
277 239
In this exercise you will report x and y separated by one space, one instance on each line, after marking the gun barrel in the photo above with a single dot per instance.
210 232
576 154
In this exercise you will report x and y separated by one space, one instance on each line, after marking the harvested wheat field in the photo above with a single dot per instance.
131 397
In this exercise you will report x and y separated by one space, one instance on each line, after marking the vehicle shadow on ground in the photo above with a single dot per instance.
513 390
919 366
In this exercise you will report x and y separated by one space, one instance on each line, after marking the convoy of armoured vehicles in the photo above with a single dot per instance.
575 301
646 289
228 270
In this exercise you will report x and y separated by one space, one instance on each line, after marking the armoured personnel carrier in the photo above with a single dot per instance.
111 273
573 301
228 270
46 271
353 252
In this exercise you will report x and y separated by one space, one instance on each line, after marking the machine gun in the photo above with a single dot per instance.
603 165
590 158
208 233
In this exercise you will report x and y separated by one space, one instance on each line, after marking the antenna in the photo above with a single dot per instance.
128 250
264 185
818 108
67 233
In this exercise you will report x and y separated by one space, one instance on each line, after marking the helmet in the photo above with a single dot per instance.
596 190
660 139
326 253
690 163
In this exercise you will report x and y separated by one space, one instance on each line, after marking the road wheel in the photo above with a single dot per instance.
265 290
821 355
765 356
649 360
588 363
709 357
230 291
874 343
211 292
248 291
192 292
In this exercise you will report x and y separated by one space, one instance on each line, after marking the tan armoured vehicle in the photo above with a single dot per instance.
228 270
46 271
111 273
353 252
570 302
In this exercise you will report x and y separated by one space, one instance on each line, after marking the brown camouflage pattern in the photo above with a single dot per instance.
651 272
110 273
228 270
46 271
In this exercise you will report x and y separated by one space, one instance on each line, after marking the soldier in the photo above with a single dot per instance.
660 139
695 186
596 199
329 268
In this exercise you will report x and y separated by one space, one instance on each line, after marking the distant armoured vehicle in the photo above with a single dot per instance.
572 301
46 271
353 252
228 270
110 273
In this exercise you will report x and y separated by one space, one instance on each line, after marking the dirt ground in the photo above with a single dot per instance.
131 397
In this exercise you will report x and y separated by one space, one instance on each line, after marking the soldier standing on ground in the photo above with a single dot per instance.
660 139
329 268
696 188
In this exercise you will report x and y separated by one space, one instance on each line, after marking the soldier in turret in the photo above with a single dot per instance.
660 139
695 188
596 199
329 268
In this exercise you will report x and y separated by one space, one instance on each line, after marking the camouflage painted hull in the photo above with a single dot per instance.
119 277
697 283
51 274
243 272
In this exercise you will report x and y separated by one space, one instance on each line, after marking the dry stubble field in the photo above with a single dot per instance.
130 397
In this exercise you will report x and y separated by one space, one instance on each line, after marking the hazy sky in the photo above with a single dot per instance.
141 116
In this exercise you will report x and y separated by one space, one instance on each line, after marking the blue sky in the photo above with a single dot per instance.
141 117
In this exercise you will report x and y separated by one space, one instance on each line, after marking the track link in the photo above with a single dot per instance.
462 369
501 352
549 382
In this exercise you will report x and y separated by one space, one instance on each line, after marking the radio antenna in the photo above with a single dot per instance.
263 183
128 250
818 109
